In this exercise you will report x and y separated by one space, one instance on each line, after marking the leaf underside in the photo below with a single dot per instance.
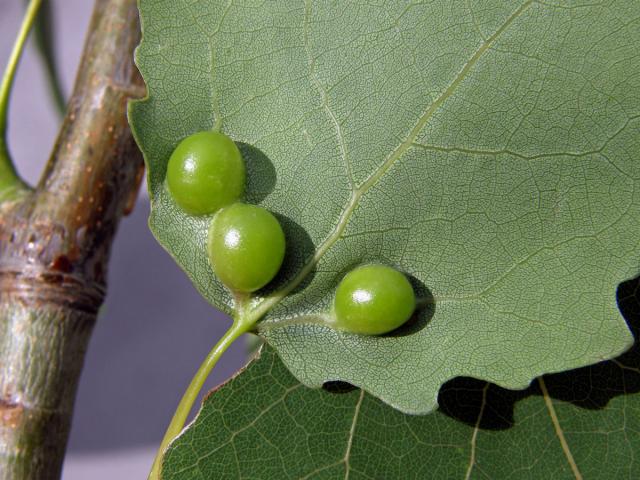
579 424
488 149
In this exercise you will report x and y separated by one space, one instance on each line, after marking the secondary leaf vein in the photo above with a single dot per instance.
558 429
323 94
265 305
474 437
352 430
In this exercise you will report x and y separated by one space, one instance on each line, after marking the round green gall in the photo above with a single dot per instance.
205 173
372 300
246 246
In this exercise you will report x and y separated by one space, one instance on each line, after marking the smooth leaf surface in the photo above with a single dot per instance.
489 149
264 425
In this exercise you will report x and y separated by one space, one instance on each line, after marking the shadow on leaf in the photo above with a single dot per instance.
300 249
462 398
261 174
338 387
467 399
424 311
594 386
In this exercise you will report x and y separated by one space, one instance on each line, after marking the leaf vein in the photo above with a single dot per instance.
323 94
265 305
474 437
352 430
559 432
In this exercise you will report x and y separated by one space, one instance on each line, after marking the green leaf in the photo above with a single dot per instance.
487 148
263 424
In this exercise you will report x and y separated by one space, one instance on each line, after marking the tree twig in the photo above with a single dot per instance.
54 248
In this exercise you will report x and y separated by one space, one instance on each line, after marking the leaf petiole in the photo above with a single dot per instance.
191 394
10 183
44 42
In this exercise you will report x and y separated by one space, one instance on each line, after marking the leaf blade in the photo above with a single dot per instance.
469 147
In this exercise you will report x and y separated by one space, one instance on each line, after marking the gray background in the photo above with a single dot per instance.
154 328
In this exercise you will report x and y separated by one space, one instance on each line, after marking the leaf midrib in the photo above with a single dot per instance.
271 301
